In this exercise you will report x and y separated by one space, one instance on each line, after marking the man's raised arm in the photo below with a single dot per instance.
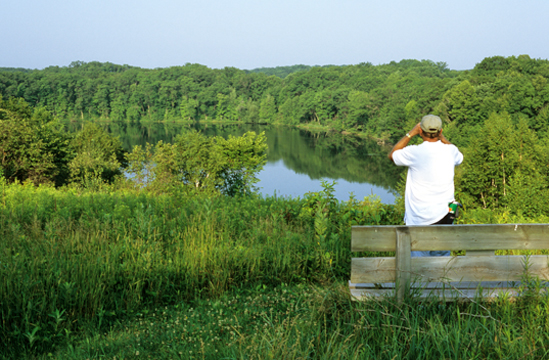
401 144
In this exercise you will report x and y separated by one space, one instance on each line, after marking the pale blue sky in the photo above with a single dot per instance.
249 34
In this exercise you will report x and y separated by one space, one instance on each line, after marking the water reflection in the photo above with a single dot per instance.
296 159
277 179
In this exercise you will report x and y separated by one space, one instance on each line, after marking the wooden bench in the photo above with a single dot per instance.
480 271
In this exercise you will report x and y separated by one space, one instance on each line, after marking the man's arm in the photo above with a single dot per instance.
401 144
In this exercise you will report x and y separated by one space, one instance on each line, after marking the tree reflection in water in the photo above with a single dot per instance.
296 159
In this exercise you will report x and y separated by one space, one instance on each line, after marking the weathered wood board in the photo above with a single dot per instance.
455 237
447 294
448 268
446 290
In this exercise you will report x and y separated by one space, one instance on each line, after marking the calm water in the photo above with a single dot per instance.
297 160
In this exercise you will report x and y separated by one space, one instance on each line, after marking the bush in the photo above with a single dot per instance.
197 163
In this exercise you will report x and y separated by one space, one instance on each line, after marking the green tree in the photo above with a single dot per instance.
32 144
463 104
118 108
359 112
187 108
98 155
247 110
101 100
197 163
500 162
226 106
267 109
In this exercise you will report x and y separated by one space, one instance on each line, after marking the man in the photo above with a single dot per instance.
430 181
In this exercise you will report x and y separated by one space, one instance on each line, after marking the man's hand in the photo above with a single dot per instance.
415 131
405 140
442 138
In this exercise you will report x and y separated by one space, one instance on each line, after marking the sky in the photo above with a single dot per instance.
250 34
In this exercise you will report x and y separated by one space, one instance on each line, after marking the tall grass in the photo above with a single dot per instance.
72 258
306 322
73 263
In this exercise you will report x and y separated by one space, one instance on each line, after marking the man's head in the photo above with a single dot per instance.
430 126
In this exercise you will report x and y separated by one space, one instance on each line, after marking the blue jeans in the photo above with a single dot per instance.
431 253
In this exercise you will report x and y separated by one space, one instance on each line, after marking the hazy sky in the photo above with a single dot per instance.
249 34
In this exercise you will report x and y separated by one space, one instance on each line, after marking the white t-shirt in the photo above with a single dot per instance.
430 181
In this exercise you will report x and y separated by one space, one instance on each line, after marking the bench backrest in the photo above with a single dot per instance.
479 242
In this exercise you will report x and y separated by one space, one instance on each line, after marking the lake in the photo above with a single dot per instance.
297 160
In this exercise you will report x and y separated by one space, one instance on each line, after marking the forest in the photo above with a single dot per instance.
167 251
377 101
497 113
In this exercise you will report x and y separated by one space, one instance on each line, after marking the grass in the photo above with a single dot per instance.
118 273
308 322
86 257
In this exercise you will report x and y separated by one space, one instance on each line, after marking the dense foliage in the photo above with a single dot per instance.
380 101
32 144
74 263
35 148
321 322
280 71
198 163
497 113
362 98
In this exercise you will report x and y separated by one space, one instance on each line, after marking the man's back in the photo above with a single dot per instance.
430 181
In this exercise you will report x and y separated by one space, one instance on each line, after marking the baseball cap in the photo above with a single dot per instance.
431 124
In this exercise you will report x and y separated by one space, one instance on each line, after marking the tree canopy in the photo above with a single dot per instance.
378 101
498 113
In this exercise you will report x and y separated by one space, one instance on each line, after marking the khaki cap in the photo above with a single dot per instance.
431 124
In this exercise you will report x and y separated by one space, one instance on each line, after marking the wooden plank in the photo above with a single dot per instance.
457 268
373 270
452 294
447 294
364 295
439 285
403 261
455 237
373 238
371 285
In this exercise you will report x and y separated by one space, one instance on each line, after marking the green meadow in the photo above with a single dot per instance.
125 274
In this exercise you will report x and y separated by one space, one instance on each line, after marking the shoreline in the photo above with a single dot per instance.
306 127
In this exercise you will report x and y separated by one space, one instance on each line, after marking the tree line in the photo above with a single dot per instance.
497 113
377 101
361 98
